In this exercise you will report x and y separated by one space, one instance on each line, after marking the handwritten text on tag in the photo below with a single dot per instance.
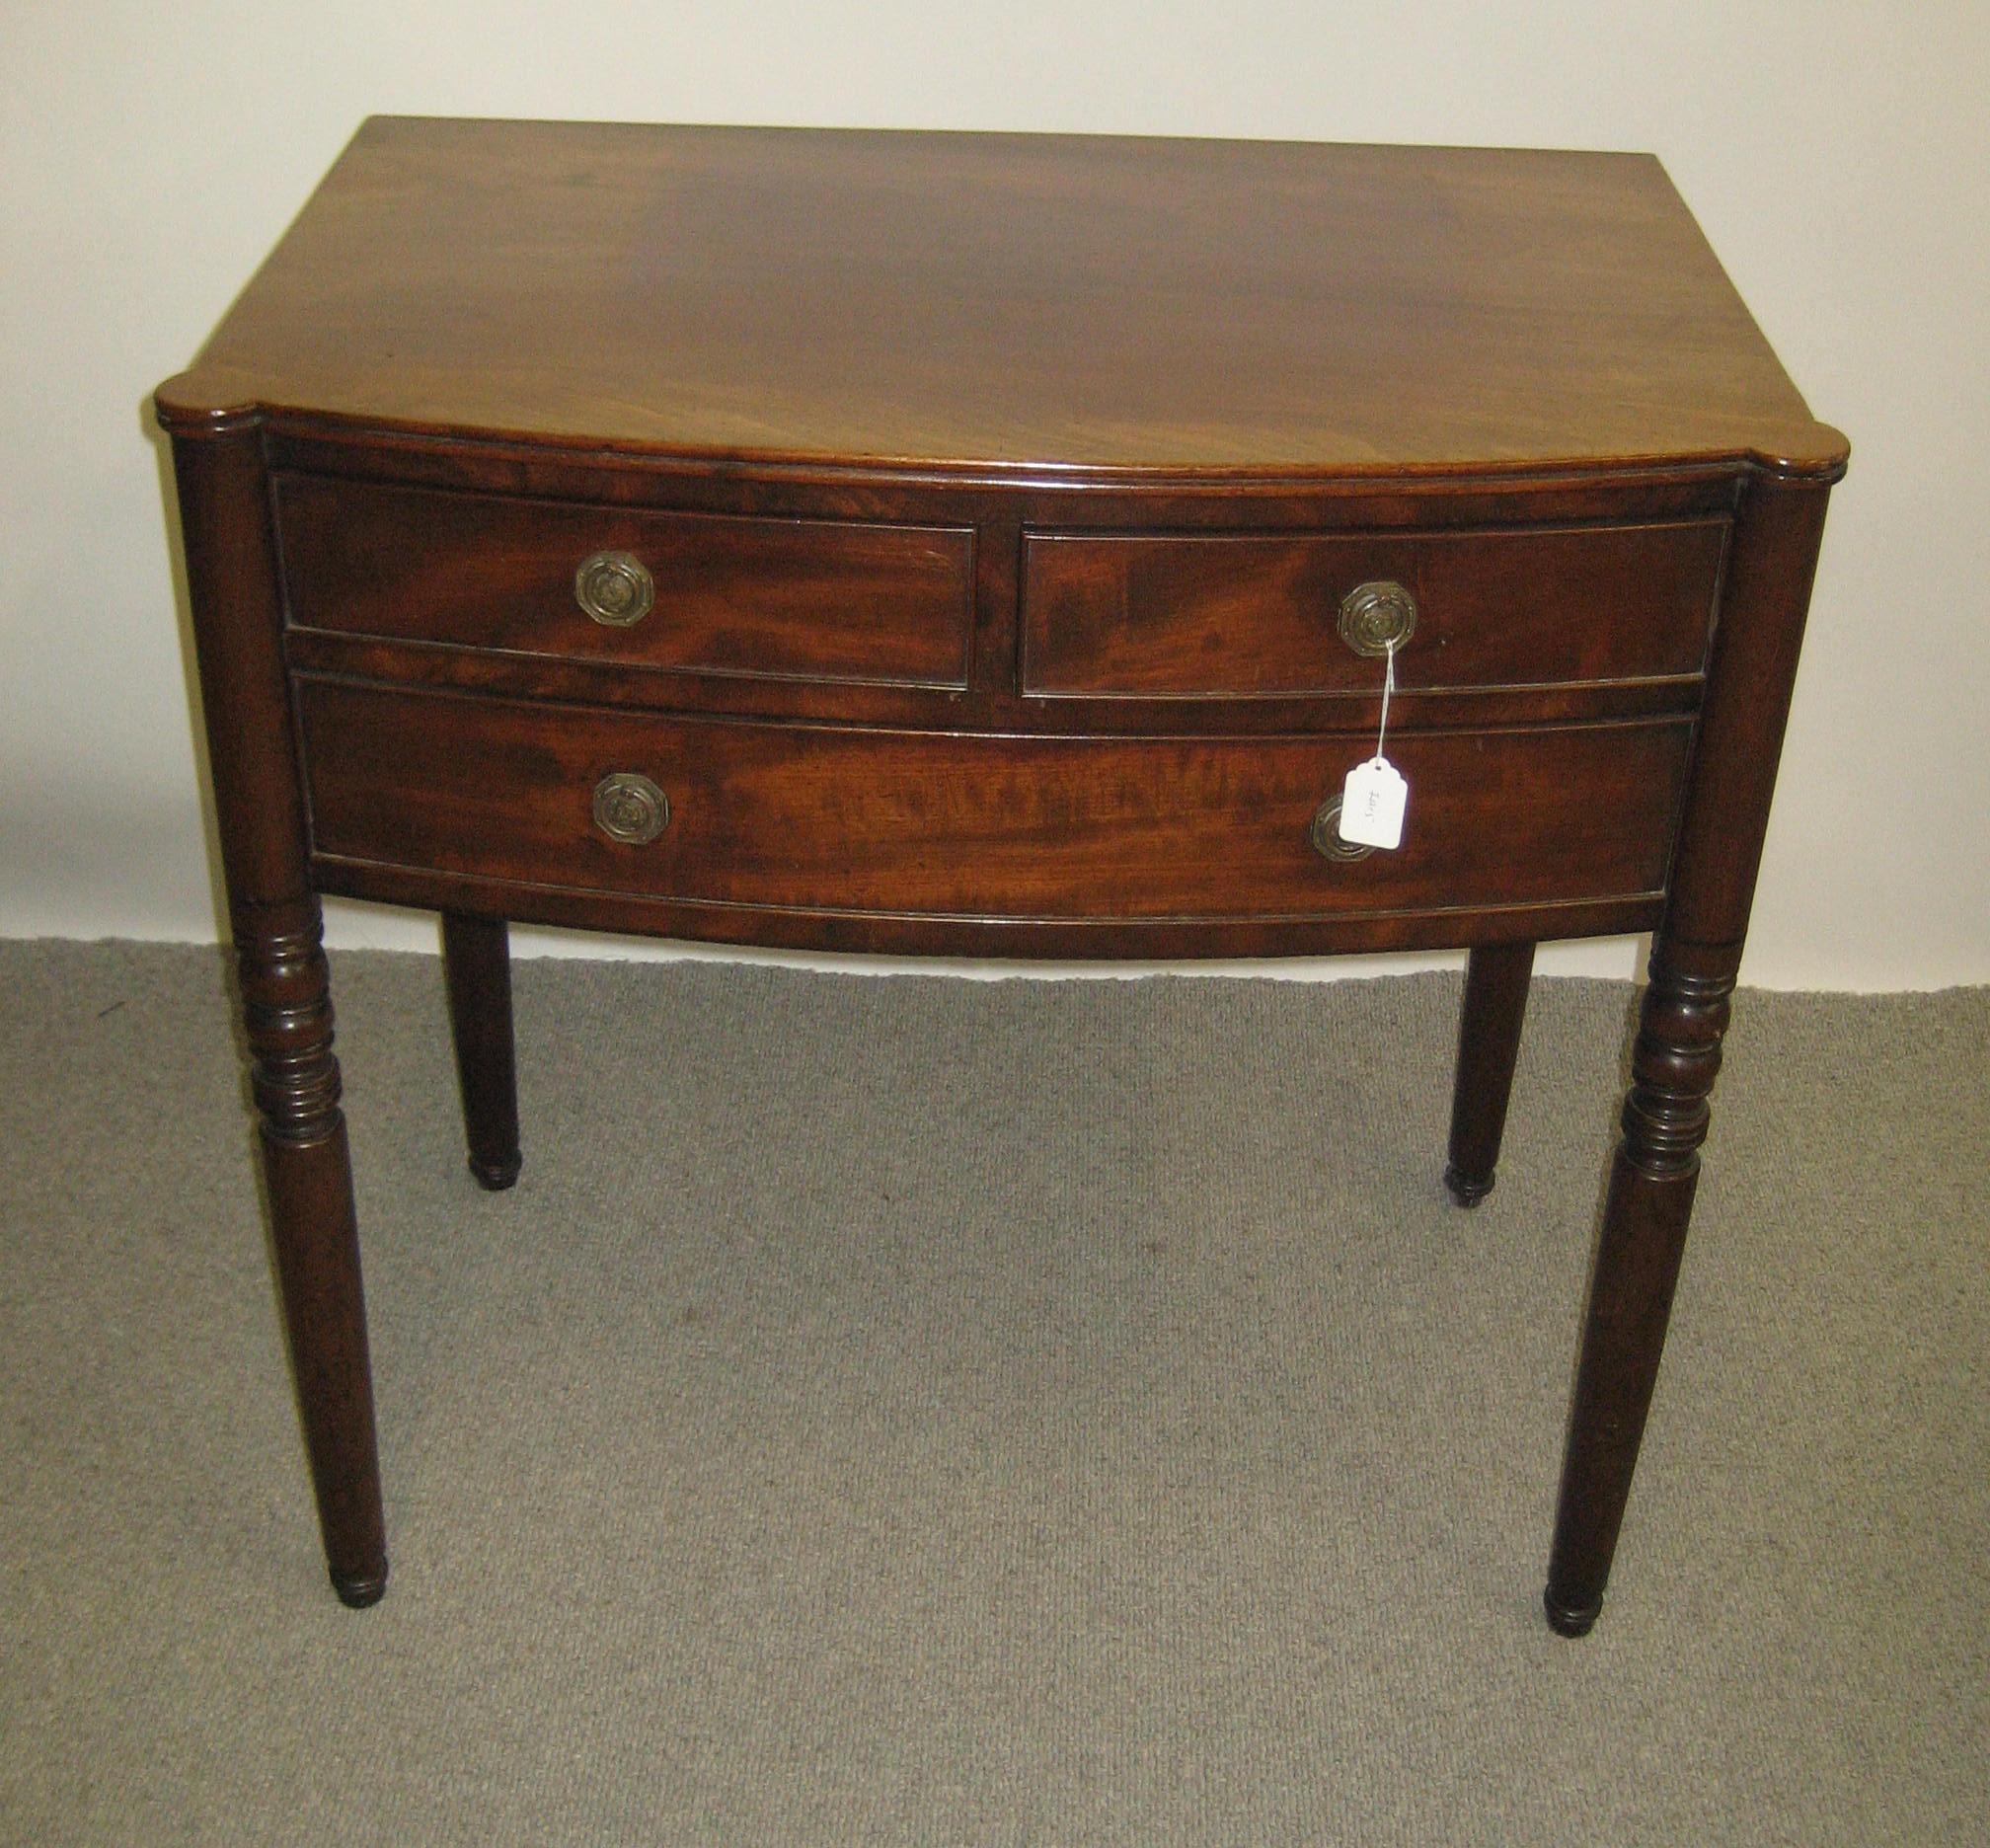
1372 804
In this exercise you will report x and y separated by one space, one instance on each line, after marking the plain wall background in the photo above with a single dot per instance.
1837 155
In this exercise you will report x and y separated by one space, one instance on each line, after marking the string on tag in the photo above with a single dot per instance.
1376 796
1388 688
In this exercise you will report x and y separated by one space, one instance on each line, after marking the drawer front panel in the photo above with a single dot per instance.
823 600
1235 616
832 819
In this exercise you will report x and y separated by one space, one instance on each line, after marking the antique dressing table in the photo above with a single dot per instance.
992 544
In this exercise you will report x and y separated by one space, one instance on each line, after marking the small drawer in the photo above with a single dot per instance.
828 819
1227 616
812 600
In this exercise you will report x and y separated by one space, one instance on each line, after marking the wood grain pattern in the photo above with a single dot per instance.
834 818
1683 1018
1254 614
832 600
1000 492
285 987
1007 301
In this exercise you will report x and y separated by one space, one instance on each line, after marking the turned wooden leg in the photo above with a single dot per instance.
287 1006
1644 1235
1488 1042
477 965
1695 959
286 1003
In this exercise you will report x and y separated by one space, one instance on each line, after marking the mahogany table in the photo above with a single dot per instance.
992 544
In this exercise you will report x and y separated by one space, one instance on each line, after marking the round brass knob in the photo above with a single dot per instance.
614 588
630 808
1376 616
1327 841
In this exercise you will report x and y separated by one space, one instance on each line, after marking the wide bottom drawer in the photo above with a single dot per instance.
838 818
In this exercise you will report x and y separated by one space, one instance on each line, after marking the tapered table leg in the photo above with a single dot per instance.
287 1010
1496 978
477 965
1696 956
223 475
1644 1236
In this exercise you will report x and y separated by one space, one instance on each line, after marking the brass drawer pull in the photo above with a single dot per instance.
615 588
1327 841
1374 617
630 808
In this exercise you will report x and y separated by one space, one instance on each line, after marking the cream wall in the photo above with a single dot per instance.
1837 155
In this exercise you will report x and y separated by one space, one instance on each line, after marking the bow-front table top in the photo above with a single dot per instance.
1009 304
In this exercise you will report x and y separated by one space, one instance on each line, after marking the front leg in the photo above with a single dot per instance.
1695 960
287 1006
1652 1184
219 465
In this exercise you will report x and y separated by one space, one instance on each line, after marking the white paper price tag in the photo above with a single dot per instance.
1372 804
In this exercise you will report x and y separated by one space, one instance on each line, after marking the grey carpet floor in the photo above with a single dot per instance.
918 1411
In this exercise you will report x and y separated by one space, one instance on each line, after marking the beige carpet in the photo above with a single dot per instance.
913 1410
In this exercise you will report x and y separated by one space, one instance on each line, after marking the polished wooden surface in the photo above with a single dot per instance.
775 598
1067 302
973 826
284 989
1496 978
1000 494
1207 615
477 972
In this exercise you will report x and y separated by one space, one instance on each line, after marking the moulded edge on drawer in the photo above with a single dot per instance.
744 595
1256 615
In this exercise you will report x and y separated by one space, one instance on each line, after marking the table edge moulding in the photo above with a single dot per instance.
992 544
